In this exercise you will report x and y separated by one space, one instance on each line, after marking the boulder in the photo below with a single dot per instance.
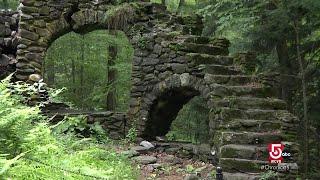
130 153
145 159
147 144
140 149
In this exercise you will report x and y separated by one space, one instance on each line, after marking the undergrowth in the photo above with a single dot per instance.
30 148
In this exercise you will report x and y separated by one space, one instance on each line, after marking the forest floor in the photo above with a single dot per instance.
161 165
175 168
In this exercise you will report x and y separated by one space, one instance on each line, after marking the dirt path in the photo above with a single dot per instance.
170 167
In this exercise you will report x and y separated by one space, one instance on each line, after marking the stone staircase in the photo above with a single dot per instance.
246 115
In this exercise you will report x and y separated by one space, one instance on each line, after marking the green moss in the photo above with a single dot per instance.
247 166
175 46
173 34
228 153
142 43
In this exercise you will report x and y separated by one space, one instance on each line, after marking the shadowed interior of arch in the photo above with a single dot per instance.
165 110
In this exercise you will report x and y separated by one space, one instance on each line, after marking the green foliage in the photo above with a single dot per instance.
142 43
268 175
30 150
132 134
9 4
15 118
191 123
173 5
83 76
80 127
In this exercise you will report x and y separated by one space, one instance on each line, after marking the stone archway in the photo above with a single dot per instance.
41 24
167 99
169 58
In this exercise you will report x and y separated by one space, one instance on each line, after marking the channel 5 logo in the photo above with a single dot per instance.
276 153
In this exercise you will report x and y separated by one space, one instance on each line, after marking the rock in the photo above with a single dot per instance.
150 61
178 68
140 149
4 60
172 159
147 144
145 159
149 168
172 150
22 46
191 177
204 149
43 32
156 165
34 77
33 56
185 79
130 153
157 49
2 30
28 35
240 176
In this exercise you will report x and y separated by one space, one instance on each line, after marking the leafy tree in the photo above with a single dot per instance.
9 4
86 75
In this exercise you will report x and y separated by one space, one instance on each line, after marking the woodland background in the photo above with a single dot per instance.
284 34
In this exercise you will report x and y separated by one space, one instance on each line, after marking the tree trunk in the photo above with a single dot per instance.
81 89
51 72
73 69
304 101
286 72
111 97
181 3
5 4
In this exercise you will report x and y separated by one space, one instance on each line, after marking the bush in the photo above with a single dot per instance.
30 150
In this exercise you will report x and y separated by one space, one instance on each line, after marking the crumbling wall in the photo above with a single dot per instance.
8 41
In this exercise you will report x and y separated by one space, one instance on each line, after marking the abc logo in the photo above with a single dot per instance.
276 153
285 154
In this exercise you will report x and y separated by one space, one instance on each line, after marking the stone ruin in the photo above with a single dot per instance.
172 63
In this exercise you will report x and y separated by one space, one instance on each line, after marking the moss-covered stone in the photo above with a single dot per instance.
204 49
236 165
247 61
197 59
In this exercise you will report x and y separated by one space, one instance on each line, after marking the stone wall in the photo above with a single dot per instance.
114 123
8 41
172 63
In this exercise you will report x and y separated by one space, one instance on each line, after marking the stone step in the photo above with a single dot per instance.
251 152
221 70
201 48
221 42
251 103
218 90
251 125
193 39
247 138
241 165
228 114
197 59
233 80
241 176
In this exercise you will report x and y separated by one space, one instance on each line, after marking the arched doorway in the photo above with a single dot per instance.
94 69
191 123
167 99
